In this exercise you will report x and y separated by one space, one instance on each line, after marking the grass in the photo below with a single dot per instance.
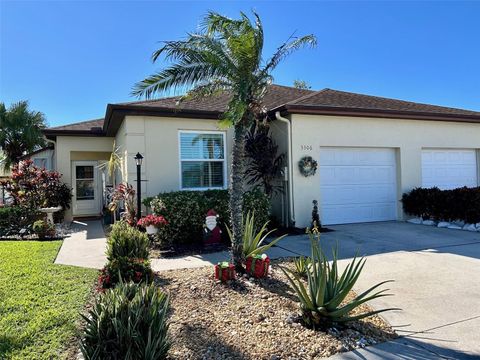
39 301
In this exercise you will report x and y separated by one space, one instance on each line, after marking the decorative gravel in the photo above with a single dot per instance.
253 319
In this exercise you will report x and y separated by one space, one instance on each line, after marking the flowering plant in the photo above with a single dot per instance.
157 221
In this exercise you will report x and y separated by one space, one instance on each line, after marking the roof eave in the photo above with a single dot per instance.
115 114
358 112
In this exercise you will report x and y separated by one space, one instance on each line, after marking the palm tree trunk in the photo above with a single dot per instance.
236 194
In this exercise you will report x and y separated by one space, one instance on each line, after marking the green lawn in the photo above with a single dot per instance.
39 301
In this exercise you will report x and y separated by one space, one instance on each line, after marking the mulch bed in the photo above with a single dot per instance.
253 319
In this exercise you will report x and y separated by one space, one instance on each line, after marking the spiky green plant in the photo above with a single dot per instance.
321 301
253 241
128 322
302 265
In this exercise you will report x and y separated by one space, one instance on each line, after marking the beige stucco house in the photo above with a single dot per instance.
369 150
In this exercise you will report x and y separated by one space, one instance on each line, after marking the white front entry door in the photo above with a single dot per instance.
357 185
86 197
449 169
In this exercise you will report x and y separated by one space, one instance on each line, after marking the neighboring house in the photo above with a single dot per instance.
369 151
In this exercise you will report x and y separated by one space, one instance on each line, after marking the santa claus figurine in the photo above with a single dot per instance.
211 231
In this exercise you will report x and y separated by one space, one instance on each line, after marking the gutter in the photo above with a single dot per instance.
290 166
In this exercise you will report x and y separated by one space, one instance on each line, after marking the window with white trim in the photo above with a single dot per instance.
202 160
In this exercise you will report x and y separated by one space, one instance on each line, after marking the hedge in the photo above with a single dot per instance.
461 204
15 218
185 212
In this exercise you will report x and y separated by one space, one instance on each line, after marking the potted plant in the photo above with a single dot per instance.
43 229
152 223
224 271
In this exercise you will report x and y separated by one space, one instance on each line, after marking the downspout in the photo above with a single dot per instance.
290 167
54 166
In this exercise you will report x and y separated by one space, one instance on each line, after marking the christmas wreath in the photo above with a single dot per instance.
307 166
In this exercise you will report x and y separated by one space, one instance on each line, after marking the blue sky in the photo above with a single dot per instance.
70 59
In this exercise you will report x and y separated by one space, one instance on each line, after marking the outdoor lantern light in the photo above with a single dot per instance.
138 160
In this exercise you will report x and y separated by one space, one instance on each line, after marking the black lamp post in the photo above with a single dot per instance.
138 161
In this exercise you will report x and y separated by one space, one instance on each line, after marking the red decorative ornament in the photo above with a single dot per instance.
258 265
224 271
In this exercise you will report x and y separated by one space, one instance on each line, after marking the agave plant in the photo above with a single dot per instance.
254 242
302 265
321 302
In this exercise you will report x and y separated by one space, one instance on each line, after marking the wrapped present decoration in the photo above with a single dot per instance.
224 271
258 265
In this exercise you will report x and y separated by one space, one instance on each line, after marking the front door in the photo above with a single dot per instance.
86 199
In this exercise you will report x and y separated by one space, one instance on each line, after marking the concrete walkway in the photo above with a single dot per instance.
85 247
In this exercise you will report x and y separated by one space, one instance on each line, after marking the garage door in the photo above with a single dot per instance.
357 185
449 169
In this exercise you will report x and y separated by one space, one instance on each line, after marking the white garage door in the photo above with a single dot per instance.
357 185
449 169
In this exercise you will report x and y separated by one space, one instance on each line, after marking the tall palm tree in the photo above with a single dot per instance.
224 55
20 131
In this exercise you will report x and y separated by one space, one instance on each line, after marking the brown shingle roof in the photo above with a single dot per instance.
278 98
81 126
347 100
276 95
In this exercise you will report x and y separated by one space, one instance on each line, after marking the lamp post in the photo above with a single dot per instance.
138 160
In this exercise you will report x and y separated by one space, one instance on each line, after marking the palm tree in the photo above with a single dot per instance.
224 55
20 131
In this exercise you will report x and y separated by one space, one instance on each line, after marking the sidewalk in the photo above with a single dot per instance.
85 247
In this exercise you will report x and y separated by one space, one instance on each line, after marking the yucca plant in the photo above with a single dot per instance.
254 241
128 322
302 265
321 301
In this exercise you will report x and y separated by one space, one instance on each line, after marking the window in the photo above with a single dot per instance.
40 163
202 160
85 181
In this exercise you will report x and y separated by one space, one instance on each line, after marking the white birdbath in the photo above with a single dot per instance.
49 211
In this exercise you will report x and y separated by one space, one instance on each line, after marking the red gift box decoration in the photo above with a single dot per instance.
224 271
257 265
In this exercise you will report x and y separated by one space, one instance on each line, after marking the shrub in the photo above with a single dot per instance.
461 204
321 305
126 241
128 269
15 218
185 212
43 229
33 188
128 322
124 194
253 240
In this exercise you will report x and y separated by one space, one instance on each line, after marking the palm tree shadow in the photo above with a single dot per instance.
278 287
207 344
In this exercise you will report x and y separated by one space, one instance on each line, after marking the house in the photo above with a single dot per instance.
369 150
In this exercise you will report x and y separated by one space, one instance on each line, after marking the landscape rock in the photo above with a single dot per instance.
428 222
454 227
469 227
417 221
443 224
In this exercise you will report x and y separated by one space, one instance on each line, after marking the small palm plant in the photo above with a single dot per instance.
321 301
254 242
302 265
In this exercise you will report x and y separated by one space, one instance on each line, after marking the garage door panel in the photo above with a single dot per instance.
357 185
449 168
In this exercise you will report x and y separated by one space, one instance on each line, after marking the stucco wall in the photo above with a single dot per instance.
157 140
408 137
69 148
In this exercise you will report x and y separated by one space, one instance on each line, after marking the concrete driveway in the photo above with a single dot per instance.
437 285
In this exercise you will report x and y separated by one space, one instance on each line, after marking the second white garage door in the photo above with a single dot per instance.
357 185
449 169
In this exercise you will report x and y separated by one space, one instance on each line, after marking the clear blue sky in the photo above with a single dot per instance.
72 58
